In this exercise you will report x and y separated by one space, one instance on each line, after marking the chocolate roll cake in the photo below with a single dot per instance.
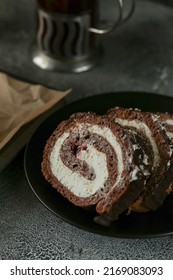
94 162
159 150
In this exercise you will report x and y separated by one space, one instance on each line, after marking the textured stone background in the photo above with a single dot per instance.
137 56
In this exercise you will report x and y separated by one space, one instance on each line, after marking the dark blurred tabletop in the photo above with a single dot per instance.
137 56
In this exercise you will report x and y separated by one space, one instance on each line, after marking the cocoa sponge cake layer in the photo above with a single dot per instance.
90 161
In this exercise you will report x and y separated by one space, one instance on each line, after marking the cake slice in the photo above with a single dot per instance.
92 161
167 121
160 152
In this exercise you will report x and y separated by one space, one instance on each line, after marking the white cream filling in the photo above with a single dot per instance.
170 135
76 183
134 174
143 127
169 122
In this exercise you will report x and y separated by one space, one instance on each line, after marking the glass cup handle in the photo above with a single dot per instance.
119 20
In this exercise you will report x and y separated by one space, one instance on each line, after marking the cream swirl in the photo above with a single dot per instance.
97 160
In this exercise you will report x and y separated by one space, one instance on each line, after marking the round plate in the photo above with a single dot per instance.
135 225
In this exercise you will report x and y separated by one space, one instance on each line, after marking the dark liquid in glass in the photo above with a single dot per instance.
68 6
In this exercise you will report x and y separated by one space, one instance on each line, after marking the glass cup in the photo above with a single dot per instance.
67 36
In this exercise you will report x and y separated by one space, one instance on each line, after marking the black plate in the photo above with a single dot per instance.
135 225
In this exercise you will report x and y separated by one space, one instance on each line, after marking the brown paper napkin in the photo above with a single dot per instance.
21 102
